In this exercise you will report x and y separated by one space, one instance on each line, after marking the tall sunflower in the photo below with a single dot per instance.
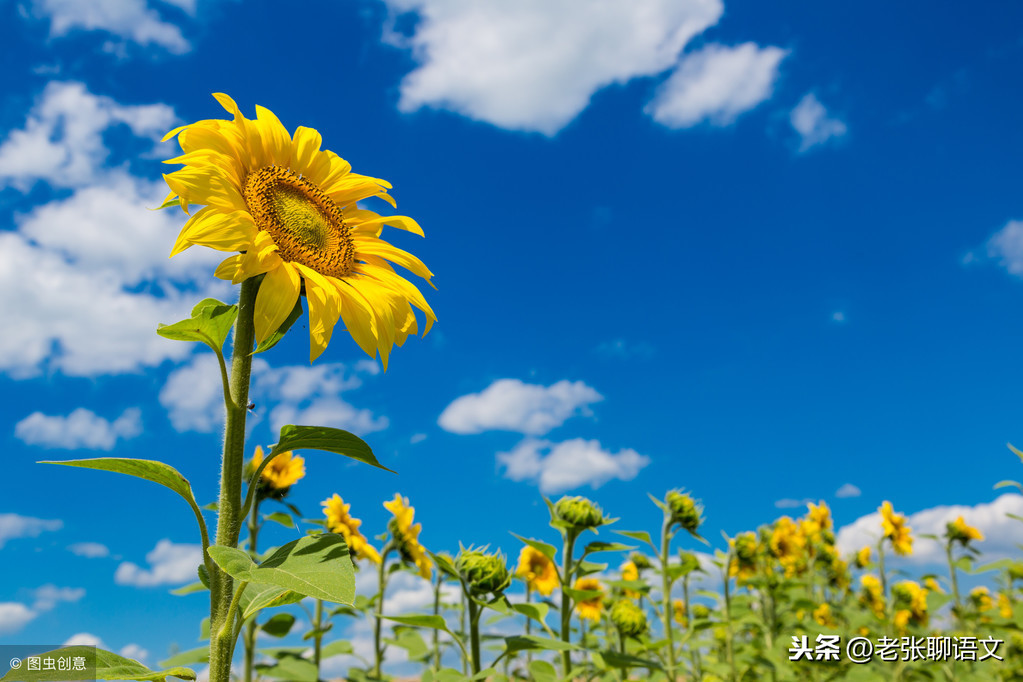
340 520
895 529
290 210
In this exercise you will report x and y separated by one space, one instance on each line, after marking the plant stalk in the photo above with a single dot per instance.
566 601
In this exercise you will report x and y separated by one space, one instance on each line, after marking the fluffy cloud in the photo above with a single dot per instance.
716 85
97 259
999 530
48 596
562 466
1006 246
130 20
14 616
84 639
80 429
848 490
134 651
511 405
297 394
534 65
18 526
90 550
810 119
169 564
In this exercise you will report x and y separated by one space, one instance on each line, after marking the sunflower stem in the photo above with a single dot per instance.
378 652
251 626
666 608
229 520
566 601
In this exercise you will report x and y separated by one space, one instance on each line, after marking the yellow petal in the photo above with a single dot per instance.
375 225
232 231
277 296
324 309
276 140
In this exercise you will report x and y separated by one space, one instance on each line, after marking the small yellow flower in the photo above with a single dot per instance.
822 614
339 520
282 472
932 585
744 563
909 594
678 612
406 535
872 596
589 608
630 572
896 530
538 572
1004 605
818 520
981 598
902 617
788 544
958 531
863 557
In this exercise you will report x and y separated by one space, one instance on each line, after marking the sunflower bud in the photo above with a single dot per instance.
628 618
640 561
684 511
484 573
579 513
701 611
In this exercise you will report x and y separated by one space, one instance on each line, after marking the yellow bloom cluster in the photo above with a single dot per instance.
406 535
788 545
872 597
895 529
339 520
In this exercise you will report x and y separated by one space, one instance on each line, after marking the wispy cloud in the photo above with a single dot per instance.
810 119
512 405
129 20
848 490
18 526
91 550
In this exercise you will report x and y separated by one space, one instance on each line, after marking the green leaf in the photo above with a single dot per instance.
108 666
1007 484
542 671
444 563
1018 453
535 610
582 595
281 518
597 546
189 589
316 566
339 647
640 535
271 341
420 621
291 668
278 625
170 203
412 642
618 660
547 550
210 323
150 470
258 597
327 439
532 642
191 657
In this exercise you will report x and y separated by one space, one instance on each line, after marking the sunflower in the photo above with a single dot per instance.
787 544
537 571
406 535
863 557
895 529
630 572
678 611
959 531
282 472
823 616
590 608
340 521
872 595
290 210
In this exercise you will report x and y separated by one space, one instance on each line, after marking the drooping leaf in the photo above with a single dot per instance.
597 546
278 625
330 440
532 642
640 535
98 664
547 550
210 323
281 518
315 566
338 647
194 656
535 610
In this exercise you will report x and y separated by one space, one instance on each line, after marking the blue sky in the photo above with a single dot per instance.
763 256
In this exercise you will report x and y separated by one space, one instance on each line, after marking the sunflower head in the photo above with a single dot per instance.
484 573
406 535
684 510
640 561
678 612
744 564
277 477
896 530
788 544
959 531
290 211
628 618
871 595
863 557
538 572
590 609
823 616
339 520
578 513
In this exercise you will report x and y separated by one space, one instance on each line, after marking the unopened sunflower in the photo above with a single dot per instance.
290 211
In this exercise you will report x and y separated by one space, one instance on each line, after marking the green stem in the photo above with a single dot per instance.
693 651
729 651
436 612
474 633
318 637
462 632
666 535
884 582
955 583
229 504
529 626
250 628
566 601
378 652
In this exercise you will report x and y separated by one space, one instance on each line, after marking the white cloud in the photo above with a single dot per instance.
84 639
789 503
62 140
90 550
533 65
295 394
18 526
716 85
1006 246
848 490
50 595
569 464
1001 533
134 651
169 564
14 616
130 20
417 438
80 429
810 119
511 405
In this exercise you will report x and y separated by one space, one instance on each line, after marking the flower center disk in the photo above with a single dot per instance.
305 224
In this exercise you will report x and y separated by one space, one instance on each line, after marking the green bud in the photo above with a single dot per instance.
579 513
484 573
640 561
628 618
684 511
701 611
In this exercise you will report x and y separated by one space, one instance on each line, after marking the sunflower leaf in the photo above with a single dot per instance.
327 439
210 323
316 566
98 665
272 340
